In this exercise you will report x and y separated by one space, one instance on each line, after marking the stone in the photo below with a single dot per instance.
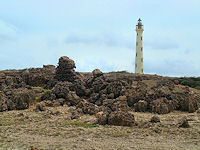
183 123
140 106
40 107
97 73
102 118
159 106
65 69
72 98
155 119
121 118
61 89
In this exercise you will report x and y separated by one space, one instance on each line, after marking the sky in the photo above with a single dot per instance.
101 34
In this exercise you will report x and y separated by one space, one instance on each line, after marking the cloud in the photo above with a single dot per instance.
102 39
161 43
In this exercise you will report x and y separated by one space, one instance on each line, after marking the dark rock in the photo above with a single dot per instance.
97 73
140 106
155 119
121 118
72 98
48 95
183 123
40 107
65 70
61 89
102 118
159 106
22 98
87 107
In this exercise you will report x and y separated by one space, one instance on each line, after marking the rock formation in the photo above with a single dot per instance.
110 96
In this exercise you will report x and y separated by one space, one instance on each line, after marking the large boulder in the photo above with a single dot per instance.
65 70
22 98
5 104
141 106
159 106
97 73
61 89
121 118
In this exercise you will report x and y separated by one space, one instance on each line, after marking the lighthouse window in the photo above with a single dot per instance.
137 33
136 54
141 59
137 43
135 65
141 48
141 38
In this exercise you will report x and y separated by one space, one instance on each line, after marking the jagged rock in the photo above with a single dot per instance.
119 104
121 118
183 123
159 106
65 70
76 113
97 73
61 89
48 95
72 98
155 119
140 106
5 104
102 118
87 107
40 107
22 98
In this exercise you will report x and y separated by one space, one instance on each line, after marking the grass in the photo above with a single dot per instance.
82 124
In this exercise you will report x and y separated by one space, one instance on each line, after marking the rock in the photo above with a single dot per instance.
65 70
72 98
48 95
40 107
102 118
61 89
183 123
155 119
121 118
76 113
87 107
22 98
198 111
140 106
159 106
97 73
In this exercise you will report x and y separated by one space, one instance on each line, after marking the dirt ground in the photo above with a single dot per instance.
54 129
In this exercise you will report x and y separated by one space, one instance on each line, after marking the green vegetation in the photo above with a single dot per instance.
193 82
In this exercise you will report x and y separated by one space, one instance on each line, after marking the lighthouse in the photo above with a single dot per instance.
139 64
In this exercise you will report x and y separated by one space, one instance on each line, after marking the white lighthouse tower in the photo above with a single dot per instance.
139 64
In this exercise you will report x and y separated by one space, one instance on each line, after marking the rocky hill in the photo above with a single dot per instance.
111 97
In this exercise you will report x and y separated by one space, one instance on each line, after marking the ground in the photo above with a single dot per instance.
54 129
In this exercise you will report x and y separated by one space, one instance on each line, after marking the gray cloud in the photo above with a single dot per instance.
102 39
161 43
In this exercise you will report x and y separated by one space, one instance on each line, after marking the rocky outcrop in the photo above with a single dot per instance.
65 70
109 96
117 118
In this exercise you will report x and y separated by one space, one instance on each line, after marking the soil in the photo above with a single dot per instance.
54 129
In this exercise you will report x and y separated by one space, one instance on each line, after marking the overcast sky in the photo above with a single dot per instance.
101 34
